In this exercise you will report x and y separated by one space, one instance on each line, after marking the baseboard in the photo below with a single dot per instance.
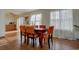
2 37
62 38
77 39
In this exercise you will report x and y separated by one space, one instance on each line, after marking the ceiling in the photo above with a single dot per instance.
19 11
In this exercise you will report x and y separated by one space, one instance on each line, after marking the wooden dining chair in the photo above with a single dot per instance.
23 33
36 26
49 35
31 34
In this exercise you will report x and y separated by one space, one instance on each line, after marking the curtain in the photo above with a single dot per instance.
62 20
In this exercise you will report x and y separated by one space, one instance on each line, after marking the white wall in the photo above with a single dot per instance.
2 23
76 22
10 20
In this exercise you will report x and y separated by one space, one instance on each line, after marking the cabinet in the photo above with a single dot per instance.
10 27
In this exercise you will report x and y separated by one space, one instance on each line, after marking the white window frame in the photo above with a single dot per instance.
36 17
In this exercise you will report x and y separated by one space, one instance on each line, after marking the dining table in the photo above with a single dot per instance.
40 32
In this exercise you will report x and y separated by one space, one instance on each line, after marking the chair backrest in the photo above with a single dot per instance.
50 29
30 29
42 26
36 26
22 28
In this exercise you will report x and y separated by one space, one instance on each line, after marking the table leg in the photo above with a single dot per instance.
24 38
27 39
41 38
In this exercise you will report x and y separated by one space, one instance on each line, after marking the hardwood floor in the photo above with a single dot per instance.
59 44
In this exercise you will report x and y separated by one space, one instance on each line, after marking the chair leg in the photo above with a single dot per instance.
33 41
21 37
51 39
25 39
44 41
49 42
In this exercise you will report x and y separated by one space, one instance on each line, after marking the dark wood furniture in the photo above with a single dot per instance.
23 33
10 27
37 31
49 35
31 34
40 30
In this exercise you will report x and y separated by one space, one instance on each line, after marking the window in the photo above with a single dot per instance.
36 19
32 20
